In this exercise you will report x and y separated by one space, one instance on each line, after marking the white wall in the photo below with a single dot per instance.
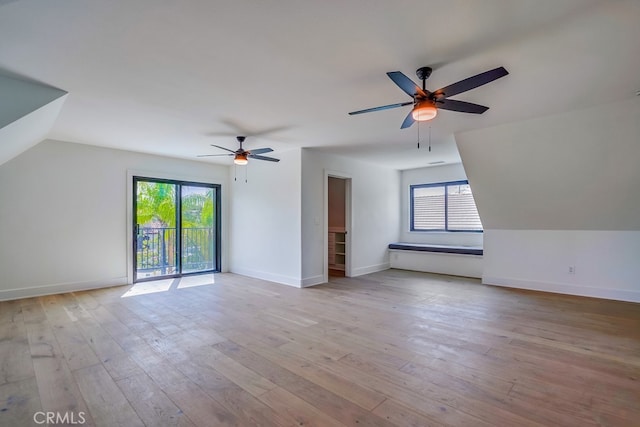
375 215
265 224
605 263
63 215
430 175
561 191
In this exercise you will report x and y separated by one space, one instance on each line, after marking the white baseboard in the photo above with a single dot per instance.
370 269
313 281
564 288
59 288
277 278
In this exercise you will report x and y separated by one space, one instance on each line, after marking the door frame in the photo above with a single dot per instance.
347 226
182 179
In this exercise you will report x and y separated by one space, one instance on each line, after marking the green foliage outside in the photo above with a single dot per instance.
156 208
157 203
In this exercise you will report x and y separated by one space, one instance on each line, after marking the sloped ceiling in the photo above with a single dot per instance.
571 171
171 77
28 110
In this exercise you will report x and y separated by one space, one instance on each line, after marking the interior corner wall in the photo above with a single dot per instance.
265 224
559 200
63 215
375 216
432 175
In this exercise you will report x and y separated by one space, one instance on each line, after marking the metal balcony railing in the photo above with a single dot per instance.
156 249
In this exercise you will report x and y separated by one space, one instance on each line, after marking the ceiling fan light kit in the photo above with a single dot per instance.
240 159
426 104
423 111
241 156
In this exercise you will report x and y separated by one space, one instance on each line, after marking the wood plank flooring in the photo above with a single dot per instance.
391 348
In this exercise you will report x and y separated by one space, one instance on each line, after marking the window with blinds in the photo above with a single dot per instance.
447 206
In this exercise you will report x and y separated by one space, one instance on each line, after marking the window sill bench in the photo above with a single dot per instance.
448 249
441 259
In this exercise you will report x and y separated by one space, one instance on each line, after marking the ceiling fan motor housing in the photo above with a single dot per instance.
423 73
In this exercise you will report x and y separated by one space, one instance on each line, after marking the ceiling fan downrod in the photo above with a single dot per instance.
423 74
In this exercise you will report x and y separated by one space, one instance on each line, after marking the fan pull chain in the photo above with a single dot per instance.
235 173
418 135
429 138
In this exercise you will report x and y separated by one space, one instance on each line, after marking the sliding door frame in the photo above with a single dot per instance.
132 227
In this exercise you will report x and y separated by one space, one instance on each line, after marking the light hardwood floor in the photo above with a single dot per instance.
390 348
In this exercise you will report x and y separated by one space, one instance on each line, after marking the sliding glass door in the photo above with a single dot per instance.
176 228
197 229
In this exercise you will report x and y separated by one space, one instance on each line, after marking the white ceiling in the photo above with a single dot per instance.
171 77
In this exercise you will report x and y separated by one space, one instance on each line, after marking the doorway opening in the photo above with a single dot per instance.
338 205
176 228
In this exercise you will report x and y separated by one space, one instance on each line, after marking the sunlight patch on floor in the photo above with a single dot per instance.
165 285
199 280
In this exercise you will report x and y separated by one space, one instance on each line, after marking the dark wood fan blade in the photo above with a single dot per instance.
213 155
461 106
383 107
408 121
470 83
406 84
223 148
269 159
261 150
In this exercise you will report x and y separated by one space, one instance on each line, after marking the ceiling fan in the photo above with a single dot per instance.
242 156
426 104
